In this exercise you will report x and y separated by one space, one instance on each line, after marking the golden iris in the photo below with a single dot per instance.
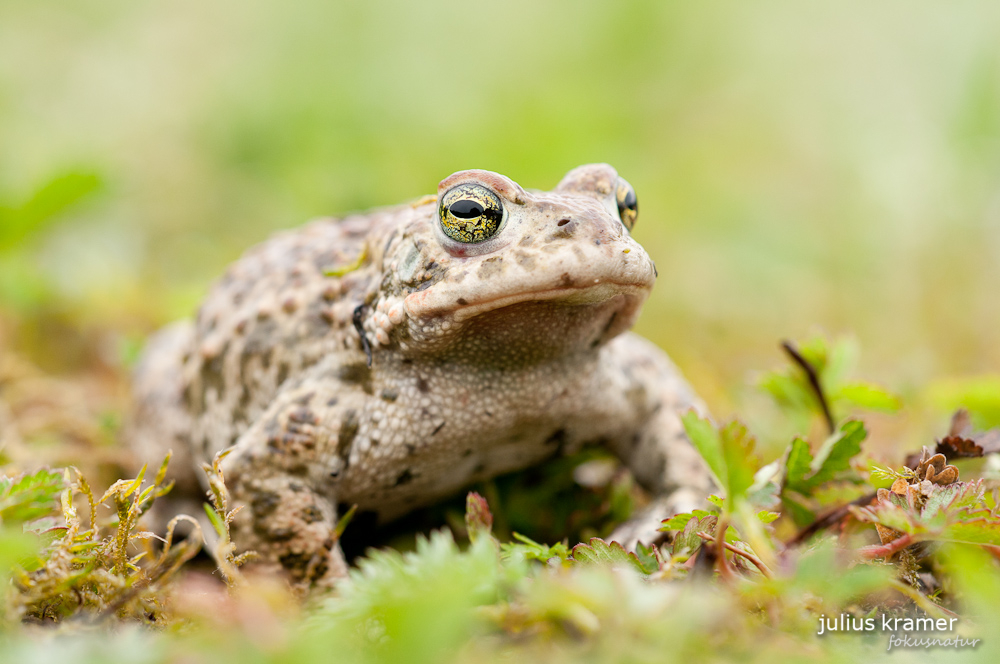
470 213
628 205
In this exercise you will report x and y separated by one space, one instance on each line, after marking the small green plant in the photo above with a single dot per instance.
77 568
220 515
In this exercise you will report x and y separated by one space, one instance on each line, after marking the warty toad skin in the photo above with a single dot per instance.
392 358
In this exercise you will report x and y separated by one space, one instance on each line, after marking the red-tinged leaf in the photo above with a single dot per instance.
478 518
679 521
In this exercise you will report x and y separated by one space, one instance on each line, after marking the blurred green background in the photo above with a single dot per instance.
831 164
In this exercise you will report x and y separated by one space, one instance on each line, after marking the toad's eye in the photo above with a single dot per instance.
470 213
628 206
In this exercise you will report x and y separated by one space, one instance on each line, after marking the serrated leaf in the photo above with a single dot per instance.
798 465
30 496
804 473
836 453
706 440
678 521
687 541
599 552
741 464
728 452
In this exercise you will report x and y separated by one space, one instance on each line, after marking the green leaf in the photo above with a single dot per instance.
649 557
532 550
599 552
30 496
726 451
737 448
798 465
687 541
836 453
215 519
803 473
44 206
976 531
801 515
678 521
868 396
706 440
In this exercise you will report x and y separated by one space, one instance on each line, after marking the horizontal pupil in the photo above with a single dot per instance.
466 209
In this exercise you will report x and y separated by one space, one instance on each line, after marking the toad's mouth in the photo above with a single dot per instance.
580 296
631 295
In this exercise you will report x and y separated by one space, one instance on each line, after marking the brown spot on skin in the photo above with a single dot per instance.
405 477
526 241
330 293
565 281
358 374
562 222
276 534
462 301
283 371
289 305
264 503
438 428
390 395
328 315
491 267
348 431
525 260
241 326
312 514
422 385
295 562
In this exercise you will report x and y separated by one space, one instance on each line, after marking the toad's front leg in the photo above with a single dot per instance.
283 471
659 454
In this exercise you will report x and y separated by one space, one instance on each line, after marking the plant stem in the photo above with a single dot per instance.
886 550
749 556
720 544
813 382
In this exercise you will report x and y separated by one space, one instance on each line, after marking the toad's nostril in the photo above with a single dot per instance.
563 222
